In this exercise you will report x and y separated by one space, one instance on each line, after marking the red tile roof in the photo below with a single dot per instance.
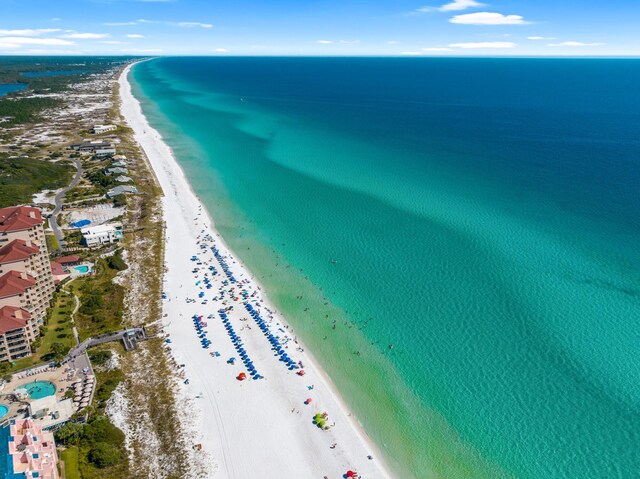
17 250
18 218
73 258
13 283
13 318
57 269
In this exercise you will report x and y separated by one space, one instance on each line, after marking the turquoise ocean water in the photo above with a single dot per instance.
455 239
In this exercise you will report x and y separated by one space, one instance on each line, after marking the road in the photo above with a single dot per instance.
53 220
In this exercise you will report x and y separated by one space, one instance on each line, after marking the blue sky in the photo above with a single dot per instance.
321 27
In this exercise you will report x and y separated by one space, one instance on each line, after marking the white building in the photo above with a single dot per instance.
105 152
102 234
97 129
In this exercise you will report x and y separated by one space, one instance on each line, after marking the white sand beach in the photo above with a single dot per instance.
255 428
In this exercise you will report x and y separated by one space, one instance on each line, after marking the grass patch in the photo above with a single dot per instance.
52 242
71 458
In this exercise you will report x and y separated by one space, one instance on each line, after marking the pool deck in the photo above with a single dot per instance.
62 378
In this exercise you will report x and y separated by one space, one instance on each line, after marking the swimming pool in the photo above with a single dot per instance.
3 410
84 269
40 389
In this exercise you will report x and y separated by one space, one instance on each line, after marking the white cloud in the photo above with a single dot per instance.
221 50
460 5
393 42
86 36
484 45
113 42
411 53
135 35
455 5
120 24
325 42
541 38
141 50
35 41
8 45
194 24
575 44
488 18
436 49
29 32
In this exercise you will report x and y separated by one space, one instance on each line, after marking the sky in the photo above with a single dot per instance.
321 27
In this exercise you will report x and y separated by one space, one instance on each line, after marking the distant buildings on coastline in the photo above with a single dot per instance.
26 280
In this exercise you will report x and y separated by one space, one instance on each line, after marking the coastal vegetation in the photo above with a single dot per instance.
21 178
22 110
101 299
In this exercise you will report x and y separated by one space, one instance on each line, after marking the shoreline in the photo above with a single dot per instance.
289 442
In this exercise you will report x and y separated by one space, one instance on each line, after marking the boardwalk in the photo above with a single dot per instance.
129 337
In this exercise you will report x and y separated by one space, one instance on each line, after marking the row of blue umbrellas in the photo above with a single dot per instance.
202 334
237 343
276 346
223 263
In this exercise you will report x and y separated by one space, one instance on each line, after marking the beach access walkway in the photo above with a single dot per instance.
130 338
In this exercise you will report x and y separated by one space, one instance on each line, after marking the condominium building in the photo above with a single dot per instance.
23 248
16 333
31 451
22 257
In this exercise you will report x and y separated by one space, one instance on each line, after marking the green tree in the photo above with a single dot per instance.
58 351
103 454
70 434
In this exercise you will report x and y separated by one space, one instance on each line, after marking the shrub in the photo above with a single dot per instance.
116 262
103 454
100 357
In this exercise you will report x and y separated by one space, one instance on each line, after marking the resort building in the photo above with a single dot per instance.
16 333
119 163
23 249
120 190
98 129
68 261
31 451
123 179
102 234
24 257
19 290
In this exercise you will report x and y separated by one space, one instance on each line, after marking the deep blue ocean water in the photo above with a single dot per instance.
455 239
